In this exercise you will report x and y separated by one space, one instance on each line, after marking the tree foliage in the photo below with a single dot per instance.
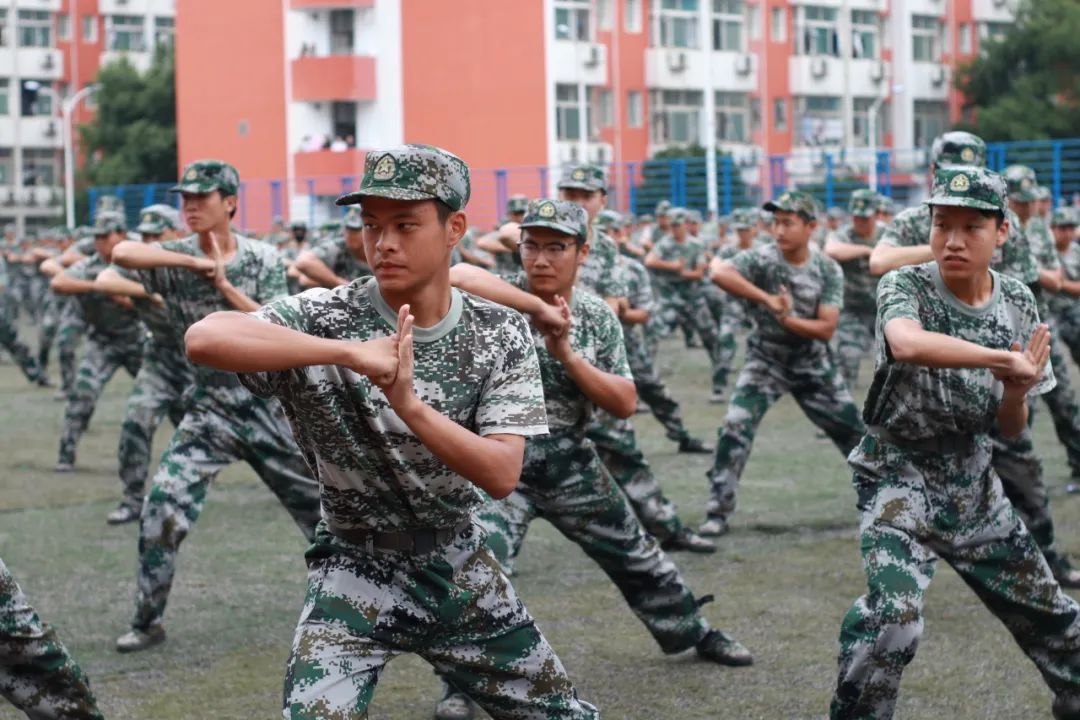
1026 85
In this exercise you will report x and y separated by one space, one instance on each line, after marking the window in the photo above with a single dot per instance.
816 31
40 167
993 30
779 114
677 116
732 117
632 15
164 30
778 25
4 96
63 27
607 107
753 21
931 119
572 21
675 23
126 32
7 166
926 38
35 28
605 11
727 25
342 23
635 112
860 125
343 115
3 27
865 34
89 28
819 120
34 100
567 113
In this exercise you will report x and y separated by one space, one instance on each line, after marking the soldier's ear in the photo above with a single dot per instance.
1002 232
458 224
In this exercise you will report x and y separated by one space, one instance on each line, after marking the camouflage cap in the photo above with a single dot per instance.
1021 183
694 216
1043 193
608 218
723 220
560 215
204 176
108 203
1064 216
969 186
353 221
677 215
886 205
958 148
413 172
838 213
517 204
744 218
153 220
646 218
583 177
863 203
107 222
663 207
796 202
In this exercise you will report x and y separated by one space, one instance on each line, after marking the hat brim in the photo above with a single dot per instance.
964 202
578 185
552 225
201 188
1023 196
773 207
152 228
871 212
391 193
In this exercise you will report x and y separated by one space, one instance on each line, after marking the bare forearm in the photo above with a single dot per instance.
111 283
730 281
66 285
237 342
491 244
929 349
810 328
1012 416
1070 287
1050 280
139 256
491 465
480 282
843 252
609 392
310 265
696 274
635 316
889 257
237 298
654 263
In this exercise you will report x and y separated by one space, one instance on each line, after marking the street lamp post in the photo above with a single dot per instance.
67 108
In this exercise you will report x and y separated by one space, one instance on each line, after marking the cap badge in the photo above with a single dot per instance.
385 169
546 211
960 184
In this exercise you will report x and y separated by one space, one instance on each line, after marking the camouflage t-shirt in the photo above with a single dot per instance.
1065 307
255 270
600 273
108 322
668 250
818 281
476 366
335 254
155 318
1042 243
596 335
860 287
638 293
1015 259
917 402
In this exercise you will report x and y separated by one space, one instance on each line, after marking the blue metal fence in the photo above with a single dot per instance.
831 175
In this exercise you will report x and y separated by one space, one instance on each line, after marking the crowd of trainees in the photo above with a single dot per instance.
417 411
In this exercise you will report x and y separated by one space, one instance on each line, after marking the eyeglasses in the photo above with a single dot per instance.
552 251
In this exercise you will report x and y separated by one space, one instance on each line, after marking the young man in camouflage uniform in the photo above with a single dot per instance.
851 247
208 271
797 294
583 367
37 674
1065 304
1014 458
736 317
400 479
162 380
114 338
959 351
9 336
678 262
337 259
70 324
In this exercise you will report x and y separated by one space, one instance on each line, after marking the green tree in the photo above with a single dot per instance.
132 138
1025 86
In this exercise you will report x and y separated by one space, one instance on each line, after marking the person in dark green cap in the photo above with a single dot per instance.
338 258
9 336
797 293
736 317
211 270
412 400
163 377
114 337
851 246
960 350
1065 303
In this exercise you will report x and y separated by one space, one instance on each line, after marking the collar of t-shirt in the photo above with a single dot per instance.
420 334
960 305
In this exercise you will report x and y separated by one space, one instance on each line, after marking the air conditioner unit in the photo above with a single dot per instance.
9 199
938 78
743 64
676 61
30 197
50 130
592 56
877 72
48 63
818 67
1000 3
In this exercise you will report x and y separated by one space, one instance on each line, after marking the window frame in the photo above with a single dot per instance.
668 22
674 110
724 19
861 29
565 108
635 109
579 30
931 31
732 108
39 26
113 35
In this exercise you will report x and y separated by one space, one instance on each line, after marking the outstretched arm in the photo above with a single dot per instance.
890 257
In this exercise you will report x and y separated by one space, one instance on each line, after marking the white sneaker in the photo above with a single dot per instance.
714 527
137 640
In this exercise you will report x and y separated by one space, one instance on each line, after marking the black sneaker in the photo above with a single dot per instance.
721 648
455 706
690 541
1064 572
694 446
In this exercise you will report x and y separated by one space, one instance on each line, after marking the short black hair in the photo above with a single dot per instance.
232 213
442 210
997 215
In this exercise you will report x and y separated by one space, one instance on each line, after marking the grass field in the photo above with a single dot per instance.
783 580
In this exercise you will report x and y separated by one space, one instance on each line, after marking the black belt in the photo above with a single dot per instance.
417 542
946 444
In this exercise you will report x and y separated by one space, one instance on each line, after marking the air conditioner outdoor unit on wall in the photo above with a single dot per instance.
877 73
676 61
592 57
818 67
938 78
743 64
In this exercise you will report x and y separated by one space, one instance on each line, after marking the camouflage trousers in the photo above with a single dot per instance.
453 607
917 507
36 672
690 309
564 482
1061 402
99 363
734 321
9 340
806 371
651 389
854 341
158 392
69 334
1070 336
222 425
